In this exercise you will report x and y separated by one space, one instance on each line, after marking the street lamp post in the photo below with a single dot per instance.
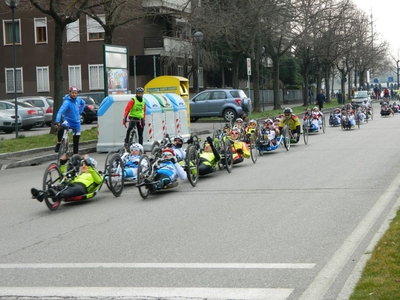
198 36
13 4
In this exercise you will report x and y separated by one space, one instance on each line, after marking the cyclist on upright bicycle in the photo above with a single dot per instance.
135 111
292 121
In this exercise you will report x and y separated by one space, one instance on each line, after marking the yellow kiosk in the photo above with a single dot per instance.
170 84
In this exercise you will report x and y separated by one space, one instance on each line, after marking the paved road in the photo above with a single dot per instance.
297 224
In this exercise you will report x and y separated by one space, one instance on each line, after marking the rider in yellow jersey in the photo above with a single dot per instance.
292 121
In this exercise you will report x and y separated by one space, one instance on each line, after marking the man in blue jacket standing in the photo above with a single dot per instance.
70 110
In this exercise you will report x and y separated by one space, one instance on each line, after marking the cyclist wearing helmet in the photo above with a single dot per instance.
269 132
292 121
70 110
180 153
316 119
132 160
240 149
135 111
87 181
251 128
239 124
167 171
209 157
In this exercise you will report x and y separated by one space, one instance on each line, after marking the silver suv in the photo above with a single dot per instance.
227 103
43 102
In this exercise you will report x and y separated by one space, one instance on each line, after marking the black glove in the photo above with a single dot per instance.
190 140
209 140
239 151
173 160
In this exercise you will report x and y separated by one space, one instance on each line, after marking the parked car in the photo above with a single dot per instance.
31 116
360 96
89 113
43 102
97 96
227 103
7 120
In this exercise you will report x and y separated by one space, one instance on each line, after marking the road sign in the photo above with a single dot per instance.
248 66
376 80
390 79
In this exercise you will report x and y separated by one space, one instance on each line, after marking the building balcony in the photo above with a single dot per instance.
167 46
168 6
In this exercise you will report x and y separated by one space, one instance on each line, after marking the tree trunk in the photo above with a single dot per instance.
275 75
235 70
58 70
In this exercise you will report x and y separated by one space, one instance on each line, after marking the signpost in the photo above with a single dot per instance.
248 73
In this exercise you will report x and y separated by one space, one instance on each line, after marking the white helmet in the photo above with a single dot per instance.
137 146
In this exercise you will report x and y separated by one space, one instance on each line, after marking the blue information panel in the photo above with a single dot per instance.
390 79
376 80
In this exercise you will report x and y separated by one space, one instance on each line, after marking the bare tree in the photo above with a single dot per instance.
63 13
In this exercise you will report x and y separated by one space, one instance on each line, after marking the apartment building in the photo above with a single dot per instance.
158 46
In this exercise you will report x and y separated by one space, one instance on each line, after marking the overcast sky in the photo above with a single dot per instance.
385 14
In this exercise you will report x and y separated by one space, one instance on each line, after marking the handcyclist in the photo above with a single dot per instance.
87 181
240 149
70 110
209 157
132 160
180 153
135 111
292 121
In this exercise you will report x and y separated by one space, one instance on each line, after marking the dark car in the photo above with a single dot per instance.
89 113
227 103
96 96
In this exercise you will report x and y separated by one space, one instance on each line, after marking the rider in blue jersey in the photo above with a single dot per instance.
70 111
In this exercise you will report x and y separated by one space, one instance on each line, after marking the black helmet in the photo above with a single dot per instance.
140 90
288 110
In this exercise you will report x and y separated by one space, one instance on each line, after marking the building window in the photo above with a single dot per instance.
8 32
73 32
40 30
42 79
94 29
96 77
74 76
180 71
10 80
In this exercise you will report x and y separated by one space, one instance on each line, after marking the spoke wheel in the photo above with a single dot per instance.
253 148
192 165
305 134
227 155
286 138
116 174
64 149
144 171
107 162
52 175
323 124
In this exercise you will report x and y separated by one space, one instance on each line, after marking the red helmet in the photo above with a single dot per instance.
73 89
168 152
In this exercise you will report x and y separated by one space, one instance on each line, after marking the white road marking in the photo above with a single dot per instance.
161 265
317 289
202 293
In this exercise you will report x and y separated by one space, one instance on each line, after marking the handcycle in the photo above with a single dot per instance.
191 163
307 124
224 147
289 138
251 140
264 145
55 181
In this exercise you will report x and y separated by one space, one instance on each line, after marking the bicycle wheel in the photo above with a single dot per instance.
227 155
134 136
116 175
64 149
286 138
253 148
323 124
372 114
144 172
52 176
192 165
305 134
358 121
